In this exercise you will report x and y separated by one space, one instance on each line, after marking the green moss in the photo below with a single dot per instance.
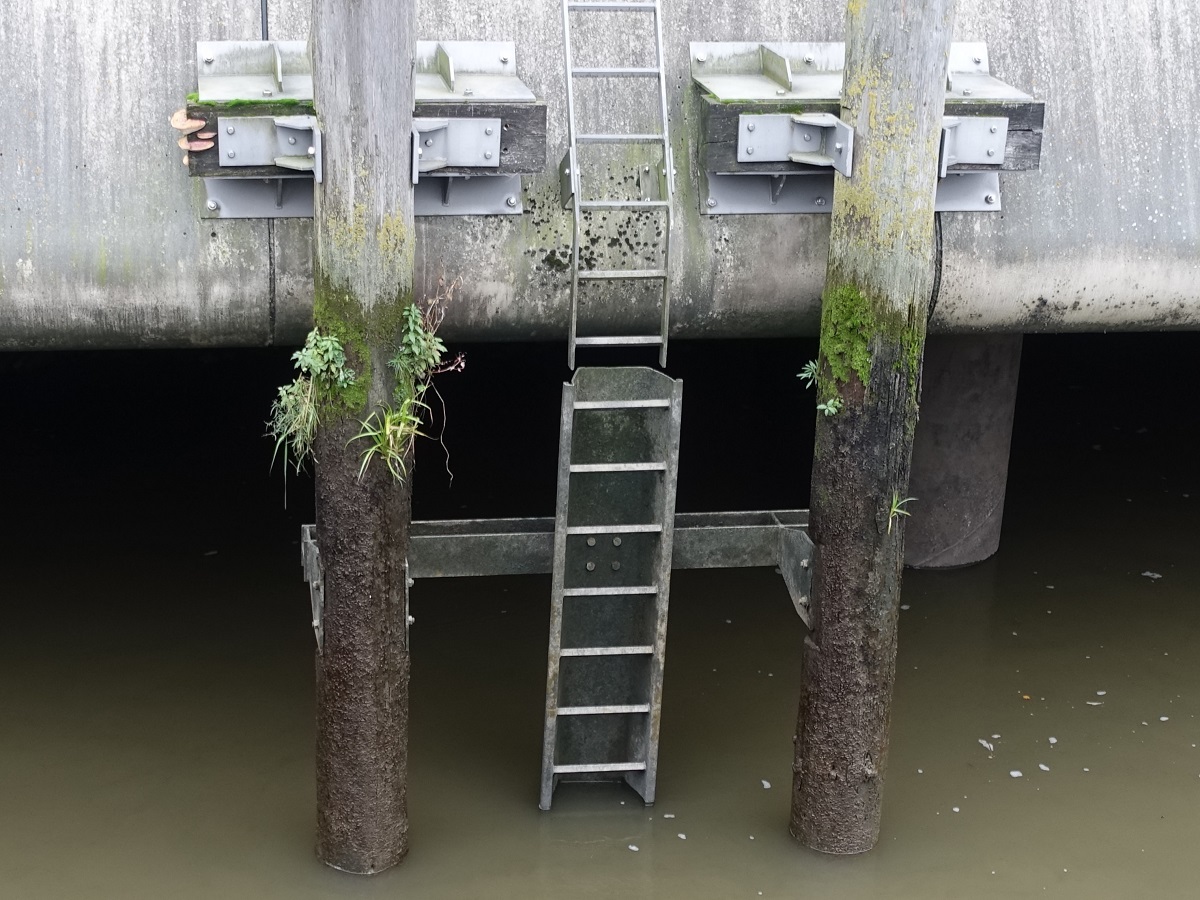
267 106
847 325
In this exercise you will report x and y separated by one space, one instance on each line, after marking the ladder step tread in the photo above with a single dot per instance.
631 341
618 138
610 4
615 710
619 274
620 467
623 204
621 404
645 650
600 767
615 71
610 591
637 528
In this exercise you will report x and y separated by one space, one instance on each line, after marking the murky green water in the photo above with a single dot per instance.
156 697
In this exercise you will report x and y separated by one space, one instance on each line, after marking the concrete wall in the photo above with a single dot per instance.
101 245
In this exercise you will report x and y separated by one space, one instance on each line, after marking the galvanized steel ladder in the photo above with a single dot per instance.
613 541
630 207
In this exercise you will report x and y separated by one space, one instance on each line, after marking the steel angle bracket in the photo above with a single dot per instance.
314 574
795 564
733 194
813 139
263 71
978 140
284 197
289 142
442 143
468 195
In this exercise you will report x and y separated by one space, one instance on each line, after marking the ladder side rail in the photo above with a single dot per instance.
668 181
576 184
550 733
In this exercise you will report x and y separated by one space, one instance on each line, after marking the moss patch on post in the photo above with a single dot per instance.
847 324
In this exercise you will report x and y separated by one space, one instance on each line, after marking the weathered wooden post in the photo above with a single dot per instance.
363 268
873 320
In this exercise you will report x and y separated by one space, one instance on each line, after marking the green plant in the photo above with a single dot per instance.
898 508
295 413
389 433
830 407
809 373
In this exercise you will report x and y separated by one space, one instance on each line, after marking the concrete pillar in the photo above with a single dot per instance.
960 456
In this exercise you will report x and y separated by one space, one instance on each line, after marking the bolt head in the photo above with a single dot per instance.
992 129
991 153
978 60
966 92
837 147
701 57
616 566
990 198
820 201
213 205
749 151
616 542
487 131
312 151
291 140
780 91
229 130
428 142
504 60
750 126
487 155
268 93
809 60
208 60
591 542
808 137
710 202
231 154
591 567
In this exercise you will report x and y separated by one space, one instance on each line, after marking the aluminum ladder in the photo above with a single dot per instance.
630 207
613 540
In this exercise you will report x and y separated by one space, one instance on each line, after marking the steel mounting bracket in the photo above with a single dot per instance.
813 139
289 142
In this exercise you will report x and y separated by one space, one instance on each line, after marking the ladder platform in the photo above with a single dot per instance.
619 275
619 467
616 72
633 528
618 138
621 404
622 204
610 591
608 651
627 709
618 5
600 767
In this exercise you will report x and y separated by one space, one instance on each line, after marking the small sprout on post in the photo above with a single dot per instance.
898 508
830 407
809 373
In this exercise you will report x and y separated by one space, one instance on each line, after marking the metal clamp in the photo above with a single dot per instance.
445 143
972 139
814 139
289 142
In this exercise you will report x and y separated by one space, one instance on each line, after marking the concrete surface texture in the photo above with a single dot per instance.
101 243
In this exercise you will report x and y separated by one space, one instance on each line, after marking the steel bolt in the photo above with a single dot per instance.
231 154
749 151
229 130
487 154
978 60
291 140
412 620
710 202
809 60
512 201
208 59
213 205
837 147
966 92
504 59
591 542
700 57
267 93
990 198
750 126
312 151
591 567
992 129
991 153
428 142
820 201
616 542
780 91
487 131
808 137
616 566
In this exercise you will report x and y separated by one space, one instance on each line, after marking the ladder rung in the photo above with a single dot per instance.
647 528
620 467
604 710
621 404
636 340
618 138
609 4
623 204
600 767
608 651
615 72
610 591
620 274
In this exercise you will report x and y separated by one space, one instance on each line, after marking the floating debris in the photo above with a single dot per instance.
987 746
1101 693
1016 773
920 771
681 836
954 808
905 606
995 737
1052 740
668 815
1153 576
1043 767
1164 718
766 785
1095 703
633 847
